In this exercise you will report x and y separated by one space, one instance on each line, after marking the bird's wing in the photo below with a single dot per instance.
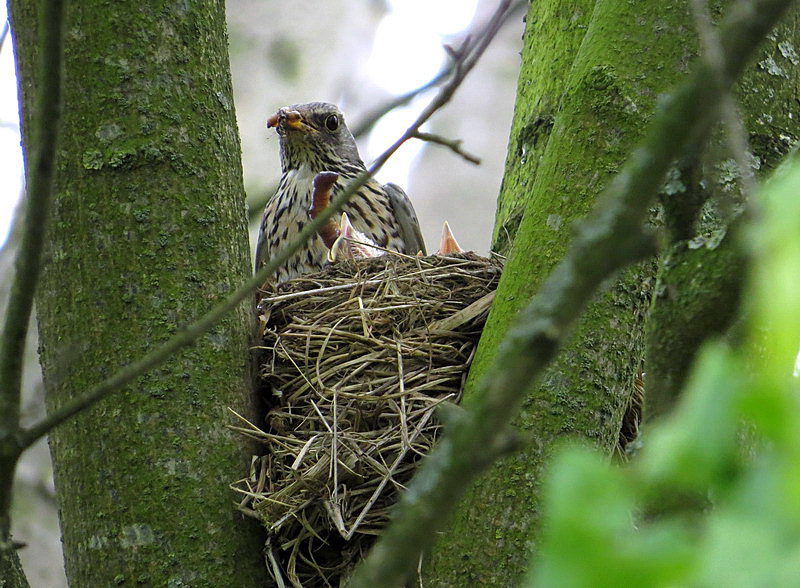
406 219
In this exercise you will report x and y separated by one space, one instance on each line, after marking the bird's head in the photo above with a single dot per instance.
314 134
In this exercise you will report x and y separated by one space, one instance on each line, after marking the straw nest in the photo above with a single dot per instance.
355 361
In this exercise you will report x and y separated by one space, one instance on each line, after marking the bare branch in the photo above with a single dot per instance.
189 334
610 239
453 144
40 183
466 57
4 34
469 55
369 120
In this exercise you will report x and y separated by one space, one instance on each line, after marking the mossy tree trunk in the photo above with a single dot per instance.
148 231
590 79
704 263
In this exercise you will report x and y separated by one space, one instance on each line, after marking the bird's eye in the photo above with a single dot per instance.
332 123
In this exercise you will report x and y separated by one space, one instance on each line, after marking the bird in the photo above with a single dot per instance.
315 139
351 243
344 241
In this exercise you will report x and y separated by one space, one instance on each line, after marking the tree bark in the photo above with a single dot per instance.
553 34
703 269
11 573
630 53
148 231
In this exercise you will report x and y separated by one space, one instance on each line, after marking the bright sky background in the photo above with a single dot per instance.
401 71
10 150
395 70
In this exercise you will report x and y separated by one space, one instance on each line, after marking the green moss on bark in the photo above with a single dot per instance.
11 573
148 231
553 33
697 295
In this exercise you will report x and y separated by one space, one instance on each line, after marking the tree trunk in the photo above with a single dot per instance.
703 267
593 114
148 231
11 572
553 35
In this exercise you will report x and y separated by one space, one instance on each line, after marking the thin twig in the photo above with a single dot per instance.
369 120
465 59
453 144
390 471
610 239
3 35
467 56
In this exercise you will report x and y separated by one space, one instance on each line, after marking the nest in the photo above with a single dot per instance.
356 360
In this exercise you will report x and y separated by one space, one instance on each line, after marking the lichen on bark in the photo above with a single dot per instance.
703 267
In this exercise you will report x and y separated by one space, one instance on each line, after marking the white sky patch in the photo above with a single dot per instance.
408 43
403 56
441 17
10 150
407 53
386 132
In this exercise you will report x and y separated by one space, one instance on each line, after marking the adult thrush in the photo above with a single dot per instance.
315 139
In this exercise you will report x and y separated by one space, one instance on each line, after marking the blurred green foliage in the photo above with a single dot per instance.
713 499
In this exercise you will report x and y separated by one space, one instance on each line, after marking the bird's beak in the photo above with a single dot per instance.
288 119
448 244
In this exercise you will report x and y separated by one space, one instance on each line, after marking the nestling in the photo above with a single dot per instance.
342 240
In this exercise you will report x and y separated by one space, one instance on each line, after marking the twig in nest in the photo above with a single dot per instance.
453 144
